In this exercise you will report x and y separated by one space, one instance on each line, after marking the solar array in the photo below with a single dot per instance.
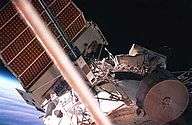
21 51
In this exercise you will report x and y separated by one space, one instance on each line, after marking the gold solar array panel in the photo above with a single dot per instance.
9 32
70 18
75 28
21 51
26 57
58 6
6 14
68 15
11 51
34 71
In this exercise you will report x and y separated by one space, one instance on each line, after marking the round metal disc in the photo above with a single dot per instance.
128 116
166 101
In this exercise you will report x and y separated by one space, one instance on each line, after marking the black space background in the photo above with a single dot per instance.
164 26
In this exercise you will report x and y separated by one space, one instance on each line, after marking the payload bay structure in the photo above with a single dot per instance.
160 97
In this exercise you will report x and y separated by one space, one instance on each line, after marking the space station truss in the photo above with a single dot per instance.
20 49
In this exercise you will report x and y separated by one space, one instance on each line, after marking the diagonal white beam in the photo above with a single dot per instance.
60 59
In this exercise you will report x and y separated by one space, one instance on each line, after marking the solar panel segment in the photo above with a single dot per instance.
21 51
